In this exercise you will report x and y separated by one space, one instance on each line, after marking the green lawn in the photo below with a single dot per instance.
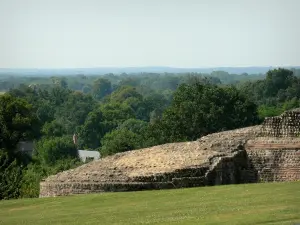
268 203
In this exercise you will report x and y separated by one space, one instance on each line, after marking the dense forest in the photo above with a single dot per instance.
116 113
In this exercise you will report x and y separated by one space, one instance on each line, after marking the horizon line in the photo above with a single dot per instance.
129 67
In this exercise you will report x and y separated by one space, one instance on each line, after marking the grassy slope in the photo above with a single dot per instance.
269 203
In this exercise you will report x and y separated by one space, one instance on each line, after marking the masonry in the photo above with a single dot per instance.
285 125
275 159
266 153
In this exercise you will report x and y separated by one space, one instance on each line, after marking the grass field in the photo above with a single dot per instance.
2 93
268 203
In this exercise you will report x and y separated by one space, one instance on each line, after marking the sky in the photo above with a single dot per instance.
127 33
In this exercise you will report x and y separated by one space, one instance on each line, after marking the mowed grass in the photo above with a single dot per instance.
267 203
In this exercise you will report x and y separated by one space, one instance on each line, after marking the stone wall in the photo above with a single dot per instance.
178 179
266 153
232 169
221 169
258 161
275 159
285 125
261 160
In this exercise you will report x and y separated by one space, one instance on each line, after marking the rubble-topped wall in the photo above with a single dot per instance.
220 169
173 165
268 152
285 125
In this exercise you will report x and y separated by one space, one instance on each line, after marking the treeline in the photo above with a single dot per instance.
111 116
278 92
153 81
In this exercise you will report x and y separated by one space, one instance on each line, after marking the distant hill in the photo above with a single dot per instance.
119 70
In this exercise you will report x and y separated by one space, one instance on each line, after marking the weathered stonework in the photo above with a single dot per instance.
266 153
275 159
285 125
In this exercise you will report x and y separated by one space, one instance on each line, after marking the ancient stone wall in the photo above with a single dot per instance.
266 153
285 125
275 159
180 178
221 169
232 169
260 161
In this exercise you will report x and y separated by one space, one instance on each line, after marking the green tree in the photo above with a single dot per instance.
200 109
60 82
74 111
17 121
86 89
49 151
154 105
119 140
93 130
269 111
291 104
129 81
123 93
279 86
45 111
116 113
279 79
101 88
54 129
134 125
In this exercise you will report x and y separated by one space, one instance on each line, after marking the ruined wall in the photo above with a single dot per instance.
190 177
285 125
53 189
275 159
275 155
221 169
262 160
232 169
266 153
259 161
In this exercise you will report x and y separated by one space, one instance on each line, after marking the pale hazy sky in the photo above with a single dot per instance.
179 33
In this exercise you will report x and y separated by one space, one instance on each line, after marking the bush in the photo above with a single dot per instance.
10 176
36 171
32 176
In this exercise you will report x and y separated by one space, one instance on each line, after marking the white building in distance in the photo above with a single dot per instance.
86 155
